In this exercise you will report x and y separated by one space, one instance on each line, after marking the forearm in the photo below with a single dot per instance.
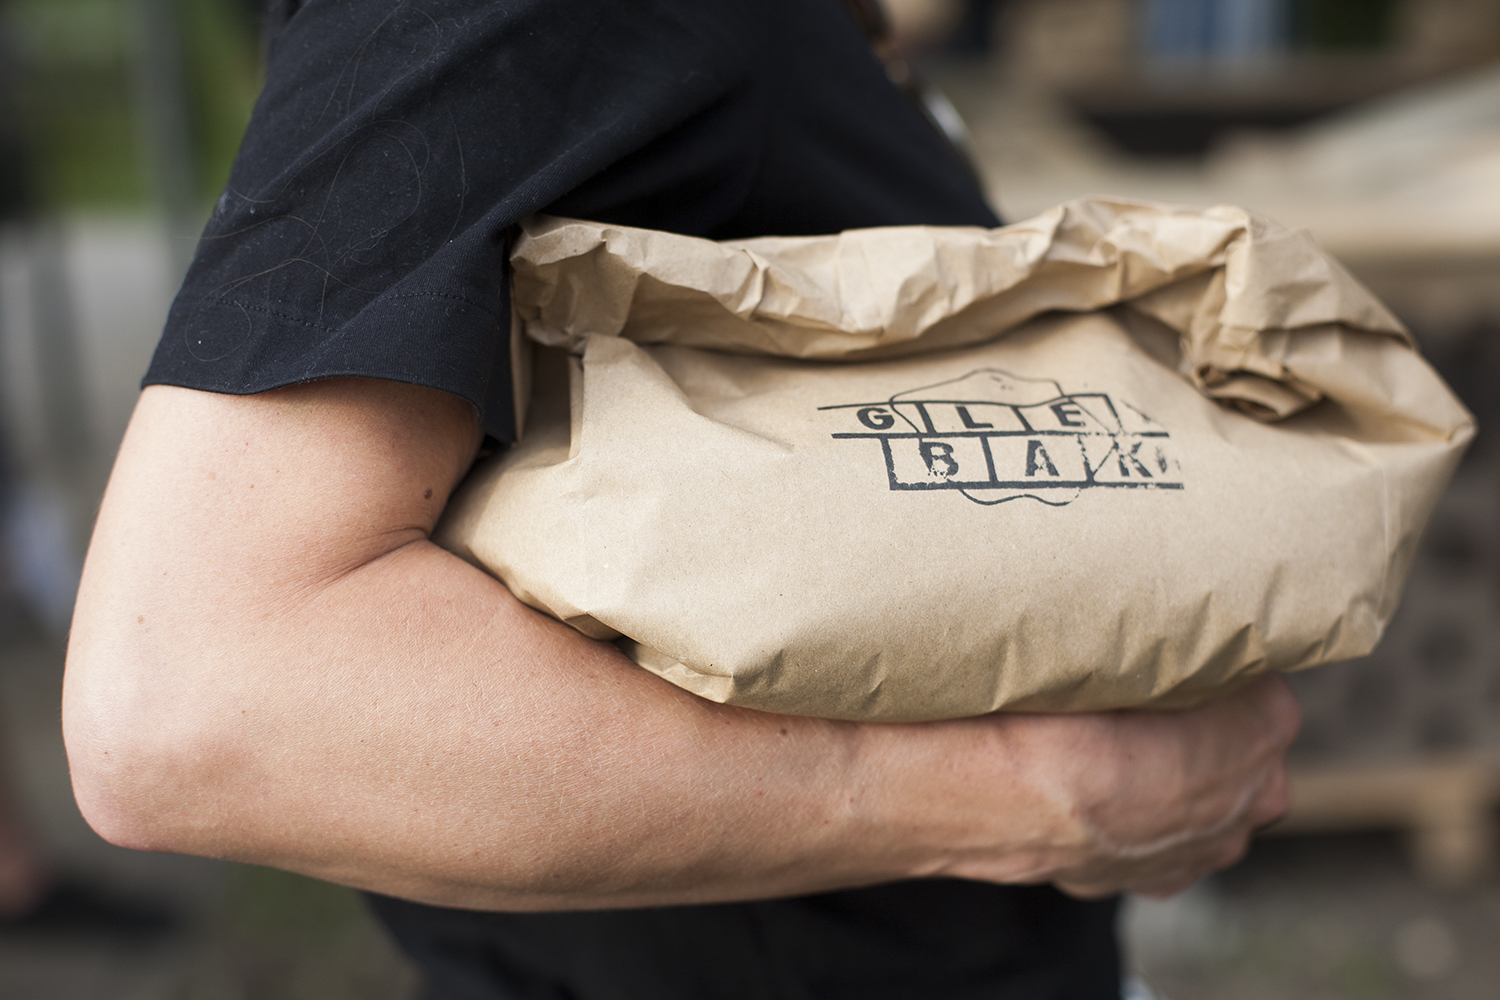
413 730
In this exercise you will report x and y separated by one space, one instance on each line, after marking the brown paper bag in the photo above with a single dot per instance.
1119 455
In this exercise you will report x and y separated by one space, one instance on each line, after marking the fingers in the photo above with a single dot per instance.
1148 801
1159 877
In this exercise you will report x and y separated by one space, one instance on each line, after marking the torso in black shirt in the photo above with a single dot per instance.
363 232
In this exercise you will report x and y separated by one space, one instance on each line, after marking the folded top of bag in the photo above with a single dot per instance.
1234 286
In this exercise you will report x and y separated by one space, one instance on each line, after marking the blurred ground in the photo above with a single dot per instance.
1320 918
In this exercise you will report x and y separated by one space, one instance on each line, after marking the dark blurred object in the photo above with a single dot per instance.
72 102
59 358
1470 362
1185 33
1343 25
975 34
15 186
1150 117
166 123
1212 66
164 103
875 23
14 194
122 100
72 909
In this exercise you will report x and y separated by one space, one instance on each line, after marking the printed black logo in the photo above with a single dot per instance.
994 437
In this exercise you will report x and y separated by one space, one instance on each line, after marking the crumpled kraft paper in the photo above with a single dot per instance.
1119 455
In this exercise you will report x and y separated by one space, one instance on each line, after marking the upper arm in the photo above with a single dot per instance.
224 515
337 470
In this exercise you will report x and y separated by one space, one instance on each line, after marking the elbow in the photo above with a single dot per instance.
116 812
140 778
114 801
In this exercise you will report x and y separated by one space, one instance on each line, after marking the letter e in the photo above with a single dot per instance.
1068 414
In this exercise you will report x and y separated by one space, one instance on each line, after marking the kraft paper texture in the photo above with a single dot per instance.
1119 455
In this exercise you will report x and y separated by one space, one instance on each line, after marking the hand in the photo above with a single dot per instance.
1167 797
1096 803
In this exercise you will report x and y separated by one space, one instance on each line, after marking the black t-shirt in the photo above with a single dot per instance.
364 232
363 228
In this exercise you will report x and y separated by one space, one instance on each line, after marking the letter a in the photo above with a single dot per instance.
1037 458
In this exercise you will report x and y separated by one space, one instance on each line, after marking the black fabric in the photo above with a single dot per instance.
363 228
363 232
932 940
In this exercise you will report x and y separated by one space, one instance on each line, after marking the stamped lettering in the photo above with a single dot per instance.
995 436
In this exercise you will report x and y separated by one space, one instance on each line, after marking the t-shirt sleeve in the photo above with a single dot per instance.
363 228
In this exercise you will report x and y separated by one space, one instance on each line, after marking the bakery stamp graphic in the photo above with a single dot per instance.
995 436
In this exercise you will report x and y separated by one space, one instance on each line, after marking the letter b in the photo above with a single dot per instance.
936 453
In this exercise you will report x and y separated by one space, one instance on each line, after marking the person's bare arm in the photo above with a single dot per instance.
270 662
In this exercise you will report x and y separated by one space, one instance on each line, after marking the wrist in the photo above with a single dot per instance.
989 798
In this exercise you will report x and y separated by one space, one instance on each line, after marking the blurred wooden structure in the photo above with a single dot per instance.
1104 59
1445 806
1069 42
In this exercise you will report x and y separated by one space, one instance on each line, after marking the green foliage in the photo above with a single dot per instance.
77 94
280 936
1343 25
223 73
271 906
72 89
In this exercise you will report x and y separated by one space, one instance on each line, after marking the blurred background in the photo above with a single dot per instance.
1374 123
